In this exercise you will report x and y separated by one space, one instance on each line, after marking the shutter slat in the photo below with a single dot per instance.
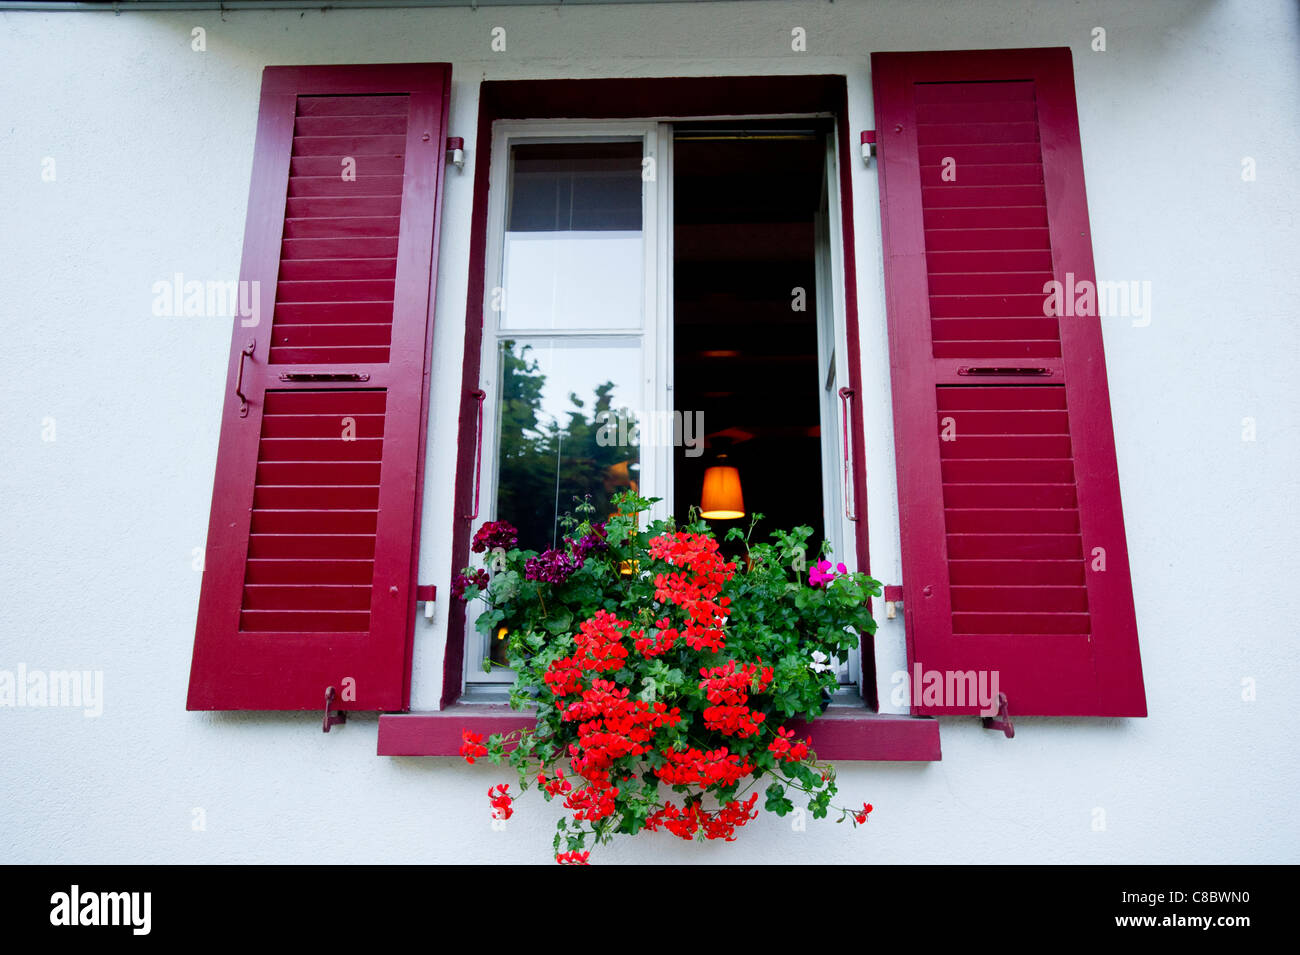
334 167
315 270
973 306
992 574
1023 624
990 260
987 111
967 156
360 147
311 545
329 355
951 195
990 283
1009 346
948 215
346 497
990 519
347 313
935 134
1019 599
315 571
341 207
353 105
1015 178
970 240
323 425
307 597
342 227
356 248
333 184
305 621
336 334
316 124
337 290
1009 496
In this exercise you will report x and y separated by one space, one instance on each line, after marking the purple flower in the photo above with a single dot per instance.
461 582
552 566
592 542
495 534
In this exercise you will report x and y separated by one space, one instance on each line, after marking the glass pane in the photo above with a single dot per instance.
559 437
574 244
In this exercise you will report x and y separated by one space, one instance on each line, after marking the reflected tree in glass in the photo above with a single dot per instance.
555 449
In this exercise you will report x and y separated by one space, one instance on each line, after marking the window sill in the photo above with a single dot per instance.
842 733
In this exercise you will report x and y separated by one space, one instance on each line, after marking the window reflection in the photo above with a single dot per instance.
560 406
574 244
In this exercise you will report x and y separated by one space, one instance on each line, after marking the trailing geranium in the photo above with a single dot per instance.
663 674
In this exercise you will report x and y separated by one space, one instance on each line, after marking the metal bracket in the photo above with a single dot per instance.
1002 721
332 719
868 145
893 600
456 151
427 593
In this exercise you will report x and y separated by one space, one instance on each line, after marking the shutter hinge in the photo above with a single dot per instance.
1002 720
427 593
868 145
893 600
332 719
456 151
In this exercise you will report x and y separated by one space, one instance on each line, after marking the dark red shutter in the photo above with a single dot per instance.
1014 558
309 579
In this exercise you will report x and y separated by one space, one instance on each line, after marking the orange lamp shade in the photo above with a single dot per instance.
721 499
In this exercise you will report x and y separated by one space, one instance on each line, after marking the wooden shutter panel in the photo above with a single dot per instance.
1014 557
309 577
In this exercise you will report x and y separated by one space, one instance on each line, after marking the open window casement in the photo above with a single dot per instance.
309 572
1015 567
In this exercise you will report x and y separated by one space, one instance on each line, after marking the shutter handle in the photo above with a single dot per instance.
239 379
850 513
480 395
332 719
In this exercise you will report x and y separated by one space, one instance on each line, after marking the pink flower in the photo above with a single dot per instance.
821 574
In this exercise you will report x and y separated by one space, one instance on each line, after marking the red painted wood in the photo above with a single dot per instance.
309 579
1007 483
841 736
670 97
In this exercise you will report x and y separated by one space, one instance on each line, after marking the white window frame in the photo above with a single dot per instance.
655 331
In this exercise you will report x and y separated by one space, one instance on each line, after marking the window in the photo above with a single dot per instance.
646 280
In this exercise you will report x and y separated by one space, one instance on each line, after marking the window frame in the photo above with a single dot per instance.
662 98
654 332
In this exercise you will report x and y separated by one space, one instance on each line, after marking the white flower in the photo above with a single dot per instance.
820 662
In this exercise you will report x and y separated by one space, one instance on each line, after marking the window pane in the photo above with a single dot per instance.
556 443
574 244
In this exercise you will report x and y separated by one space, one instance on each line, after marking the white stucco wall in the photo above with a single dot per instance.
152 144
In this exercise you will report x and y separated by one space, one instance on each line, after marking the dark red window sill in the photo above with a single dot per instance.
842 733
